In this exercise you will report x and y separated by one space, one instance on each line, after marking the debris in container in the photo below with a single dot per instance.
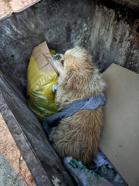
100 173
104 168
41 77
84 176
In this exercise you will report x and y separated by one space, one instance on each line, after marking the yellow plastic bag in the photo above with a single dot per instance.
40 79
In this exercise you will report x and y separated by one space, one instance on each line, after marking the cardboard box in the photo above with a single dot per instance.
120 139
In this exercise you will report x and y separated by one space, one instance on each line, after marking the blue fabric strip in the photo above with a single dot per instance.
90 103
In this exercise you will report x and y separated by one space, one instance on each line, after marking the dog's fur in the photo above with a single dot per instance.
78 136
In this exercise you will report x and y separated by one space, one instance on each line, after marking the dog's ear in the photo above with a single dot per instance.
72 81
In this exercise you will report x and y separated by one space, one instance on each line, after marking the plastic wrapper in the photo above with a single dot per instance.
40 79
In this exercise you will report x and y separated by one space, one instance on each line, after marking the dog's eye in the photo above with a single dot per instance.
62 61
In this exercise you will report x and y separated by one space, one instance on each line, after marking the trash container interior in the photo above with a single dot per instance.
109 32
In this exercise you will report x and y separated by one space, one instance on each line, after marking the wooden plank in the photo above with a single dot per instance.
40 157
10 151
10 6
18 6
38 173
5 9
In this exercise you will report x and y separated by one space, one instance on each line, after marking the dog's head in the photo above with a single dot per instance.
73 59
75 69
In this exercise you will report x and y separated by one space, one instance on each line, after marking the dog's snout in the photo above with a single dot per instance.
57 57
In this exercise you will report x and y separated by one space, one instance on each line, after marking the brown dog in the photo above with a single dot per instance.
78 136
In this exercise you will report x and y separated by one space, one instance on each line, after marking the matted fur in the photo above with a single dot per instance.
78 136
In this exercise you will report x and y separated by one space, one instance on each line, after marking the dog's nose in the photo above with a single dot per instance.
57 57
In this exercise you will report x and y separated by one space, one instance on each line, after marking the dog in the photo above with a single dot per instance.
78 135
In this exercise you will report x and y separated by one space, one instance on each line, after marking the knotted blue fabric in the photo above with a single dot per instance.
90 103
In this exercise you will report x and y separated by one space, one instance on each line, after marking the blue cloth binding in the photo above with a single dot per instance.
90 103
